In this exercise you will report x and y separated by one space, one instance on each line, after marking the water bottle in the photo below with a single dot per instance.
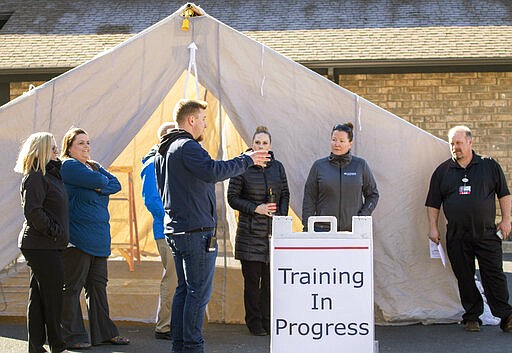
271 199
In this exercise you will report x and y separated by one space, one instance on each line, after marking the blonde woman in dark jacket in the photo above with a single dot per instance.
42 238
258 194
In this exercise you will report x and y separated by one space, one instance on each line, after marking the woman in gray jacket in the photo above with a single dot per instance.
340 185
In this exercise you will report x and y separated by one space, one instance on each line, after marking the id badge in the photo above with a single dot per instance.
465 190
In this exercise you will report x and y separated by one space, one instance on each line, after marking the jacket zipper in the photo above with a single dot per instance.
339 201
269 227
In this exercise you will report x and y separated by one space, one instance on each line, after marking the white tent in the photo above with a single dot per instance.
121 96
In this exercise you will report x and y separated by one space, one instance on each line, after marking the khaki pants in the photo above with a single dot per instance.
167 284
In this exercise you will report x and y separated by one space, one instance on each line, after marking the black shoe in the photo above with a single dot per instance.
163 335
260 332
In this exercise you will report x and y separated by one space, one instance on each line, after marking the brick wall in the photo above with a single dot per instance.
17 88
437 101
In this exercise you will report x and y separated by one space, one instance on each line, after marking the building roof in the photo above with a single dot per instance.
427 45
46 34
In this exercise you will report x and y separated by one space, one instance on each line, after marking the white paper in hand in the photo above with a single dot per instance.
437 252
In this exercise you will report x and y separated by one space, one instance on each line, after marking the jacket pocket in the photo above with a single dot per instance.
259 226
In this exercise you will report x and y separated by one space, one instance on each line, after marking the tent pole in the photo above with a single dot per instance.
221 154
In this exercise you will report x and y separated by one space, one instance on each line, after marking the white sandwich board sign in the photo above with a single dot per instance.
322 288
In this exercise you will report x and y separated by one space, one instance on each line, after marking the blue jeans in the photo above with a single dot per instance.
195 267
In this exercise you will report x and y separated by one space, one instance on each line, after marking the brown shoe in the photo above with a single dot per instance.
507 326
472 326
79 346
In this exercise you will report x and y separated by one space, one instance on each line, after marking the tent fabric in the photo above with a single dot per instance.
121 96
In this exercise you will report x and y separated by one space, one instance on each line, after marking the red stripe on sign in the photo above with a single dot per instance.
321 248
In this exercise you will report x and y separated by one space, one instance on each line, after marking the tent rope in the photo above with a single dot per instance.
262 69
192 65
221 153
358 112
50 121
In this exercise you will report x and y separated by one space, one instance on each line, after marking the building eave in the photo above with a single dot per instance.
407 63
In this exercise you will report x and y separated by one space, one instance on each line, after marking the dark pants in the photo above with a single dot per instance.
82 270
488 252
44 300
256 295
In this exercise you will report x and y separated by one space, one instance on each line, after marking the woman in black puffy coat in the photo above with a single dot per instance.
258 194
45 233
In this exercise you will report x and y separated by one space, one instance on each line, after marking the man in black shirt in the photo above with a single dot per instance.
467 185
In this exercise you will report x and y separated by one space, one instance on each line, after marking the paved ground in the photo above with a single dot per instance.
236 339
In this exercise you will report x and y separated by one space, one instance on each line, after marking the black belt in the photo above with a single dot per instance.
198 230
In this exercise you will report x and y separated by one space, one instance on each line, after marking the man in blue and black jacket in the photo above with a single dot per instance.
186 177
153 203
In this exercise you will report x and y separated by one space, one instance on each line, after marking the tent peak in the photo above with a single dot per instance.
190 10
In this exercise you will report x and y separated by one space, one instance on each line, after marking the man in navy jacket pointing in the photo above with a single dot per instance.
186 177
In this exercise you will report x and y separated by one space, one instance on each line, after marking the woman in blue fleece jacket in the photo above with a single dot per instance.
85 260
